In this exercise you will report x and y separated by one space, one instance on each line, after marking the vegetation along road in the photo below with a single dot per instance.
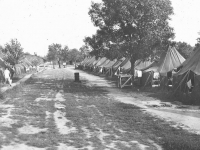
52 112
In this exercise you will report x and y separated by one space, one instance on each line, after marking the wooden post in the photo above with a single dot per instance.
76 77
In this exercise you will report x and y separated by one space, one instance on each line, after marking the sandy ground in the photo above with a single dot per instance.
188 119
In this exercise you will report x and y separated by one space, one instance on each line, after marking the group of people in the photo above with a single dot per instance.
7 75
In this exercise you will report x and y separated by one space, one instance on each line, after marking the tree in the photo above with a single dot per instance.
64 53
56 53
74 55
2 53
1 48
184 49
84 50
97 44
197 45
53 53
139 28
13 51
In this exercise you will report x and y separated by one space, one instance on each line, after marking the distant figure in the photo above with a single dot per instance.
7 76
37 68
64 64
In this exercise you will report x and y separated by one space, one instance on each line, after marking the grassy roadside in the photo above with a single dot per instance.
108 115
14 80
132 119
26 111
18 77
160 93
10 92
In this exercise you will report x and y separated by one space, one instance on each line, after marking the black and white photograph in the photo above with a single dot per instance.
99 75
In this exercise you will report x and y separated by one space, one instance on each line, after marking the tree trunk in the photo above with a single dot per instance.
59 63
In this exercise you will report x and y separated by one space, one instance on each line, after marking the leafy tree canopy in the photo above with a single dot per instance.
74 55
13 51
184 49
135 28
102 46
64 53
197 45
84 50
57 53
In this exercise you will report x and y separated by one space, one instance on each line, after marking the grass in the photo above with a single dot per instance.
170 96
14 80
162 93
1 96
132 119
97 113
170 138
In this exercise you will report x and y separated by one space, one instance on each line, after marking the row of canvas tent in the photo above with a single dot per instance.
27 63
24 66
160 70
17 69
171 66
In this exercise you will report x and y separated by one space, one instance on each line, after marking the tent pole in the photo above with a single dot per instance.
161 81
147 79
187 79
170 61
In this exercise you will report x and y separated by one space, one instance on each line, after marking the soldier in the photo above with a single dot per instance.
7 76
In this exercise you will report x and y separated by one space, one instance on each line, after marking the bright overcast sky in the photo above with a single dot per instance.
39 23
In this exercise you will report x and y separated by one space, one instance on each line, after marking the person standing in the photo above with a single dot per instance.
7 76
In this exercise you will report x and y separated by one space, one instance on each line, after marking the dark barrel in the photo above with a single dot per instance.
76 76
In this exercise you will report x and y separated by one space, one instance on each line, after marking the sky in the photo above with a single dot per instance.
39 23
186 20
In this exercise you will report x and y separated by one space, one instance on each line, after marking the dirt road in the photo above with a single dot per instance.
52 112
186 118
